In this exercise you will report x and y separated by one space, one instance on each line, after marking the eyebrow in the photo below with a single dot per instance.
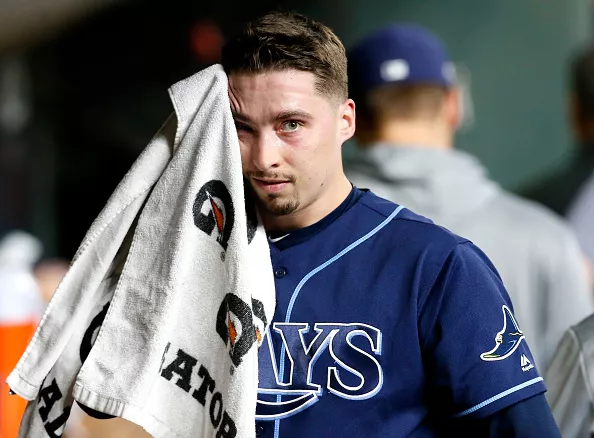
295 114
292 114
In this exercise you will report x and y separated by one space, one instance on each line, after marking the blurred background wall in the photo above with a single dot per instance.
83 87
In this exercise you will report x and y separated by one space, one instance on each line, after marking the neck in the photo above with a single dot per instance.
310 214
415 133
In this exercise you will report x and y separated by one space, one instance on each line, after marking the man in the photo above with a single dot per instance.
557 191
408 114
571 373
386 324
570 377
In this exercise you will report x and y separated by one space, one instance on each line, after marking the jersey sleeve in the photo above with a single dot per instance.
475 353
529 418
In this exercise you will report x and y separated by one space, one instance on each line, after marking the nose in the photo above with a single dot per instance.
266 152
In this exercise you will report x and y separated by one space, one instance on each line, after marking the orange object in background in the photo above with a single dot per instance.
21 305
13 341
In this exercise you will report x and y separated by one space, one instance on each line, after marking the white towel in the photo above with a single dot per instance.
172 287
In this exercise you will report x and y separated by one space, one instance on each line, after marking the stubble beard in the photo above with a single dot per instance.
273 203
278 205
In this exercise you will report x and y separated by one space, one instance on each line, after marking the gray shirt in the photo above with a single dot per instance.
569 380
581 216
535 252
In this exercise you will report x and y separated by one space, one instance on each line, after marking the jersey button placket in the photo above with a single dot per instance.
280 272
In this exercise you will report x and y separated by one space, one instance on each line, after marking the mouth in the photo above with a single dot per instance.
271 185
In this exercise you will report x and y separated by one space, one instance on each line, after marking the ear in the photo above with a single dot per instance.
453 107
346 113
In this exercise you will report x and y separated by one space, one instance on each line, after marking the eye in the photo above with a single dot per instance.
242 127
290 126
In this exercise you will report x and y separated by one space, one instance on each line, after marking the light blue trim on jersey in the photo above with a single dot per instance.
336 257
499 396
311 274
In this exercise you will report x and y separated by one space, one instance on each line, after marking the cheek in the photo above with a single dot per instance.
296 153
308 154
310 164
310 142
323 156
322 147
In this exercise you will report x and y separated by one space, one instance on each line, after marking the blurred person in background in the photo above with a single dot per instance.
48 274
581 217
21 306
571 374
408 111
557 191
570 378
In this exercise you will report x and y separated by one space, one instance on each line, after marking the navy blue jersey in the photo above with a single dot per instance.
387 325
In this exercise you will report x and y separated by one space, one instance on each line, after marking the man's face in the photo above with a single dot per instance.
290 137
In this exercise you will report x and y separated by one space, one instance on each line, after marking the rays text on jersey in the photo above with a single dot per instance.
336 357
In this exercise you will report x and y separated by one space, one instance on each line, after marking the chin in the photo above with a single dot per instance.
278 206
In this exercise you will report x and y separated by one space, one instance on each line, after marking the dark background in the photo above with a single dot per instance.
81 94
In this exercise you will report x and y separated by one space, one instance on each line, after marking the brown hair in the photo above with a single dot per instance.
284 40
402 102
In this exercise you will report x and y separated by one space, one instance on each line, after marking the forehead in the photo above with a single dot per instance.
262 95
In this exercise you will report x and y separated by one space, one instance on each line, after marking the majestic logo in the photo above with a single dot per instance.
213 209
525 363
237 326
300 366
507 340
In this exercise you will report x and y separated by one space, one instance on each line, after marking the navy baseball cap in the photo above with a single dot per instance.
398 54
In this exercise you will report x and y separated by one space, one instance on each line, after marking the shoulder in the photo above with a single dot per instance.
400 223
413 240
584 200
584 331
433 260
581 336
